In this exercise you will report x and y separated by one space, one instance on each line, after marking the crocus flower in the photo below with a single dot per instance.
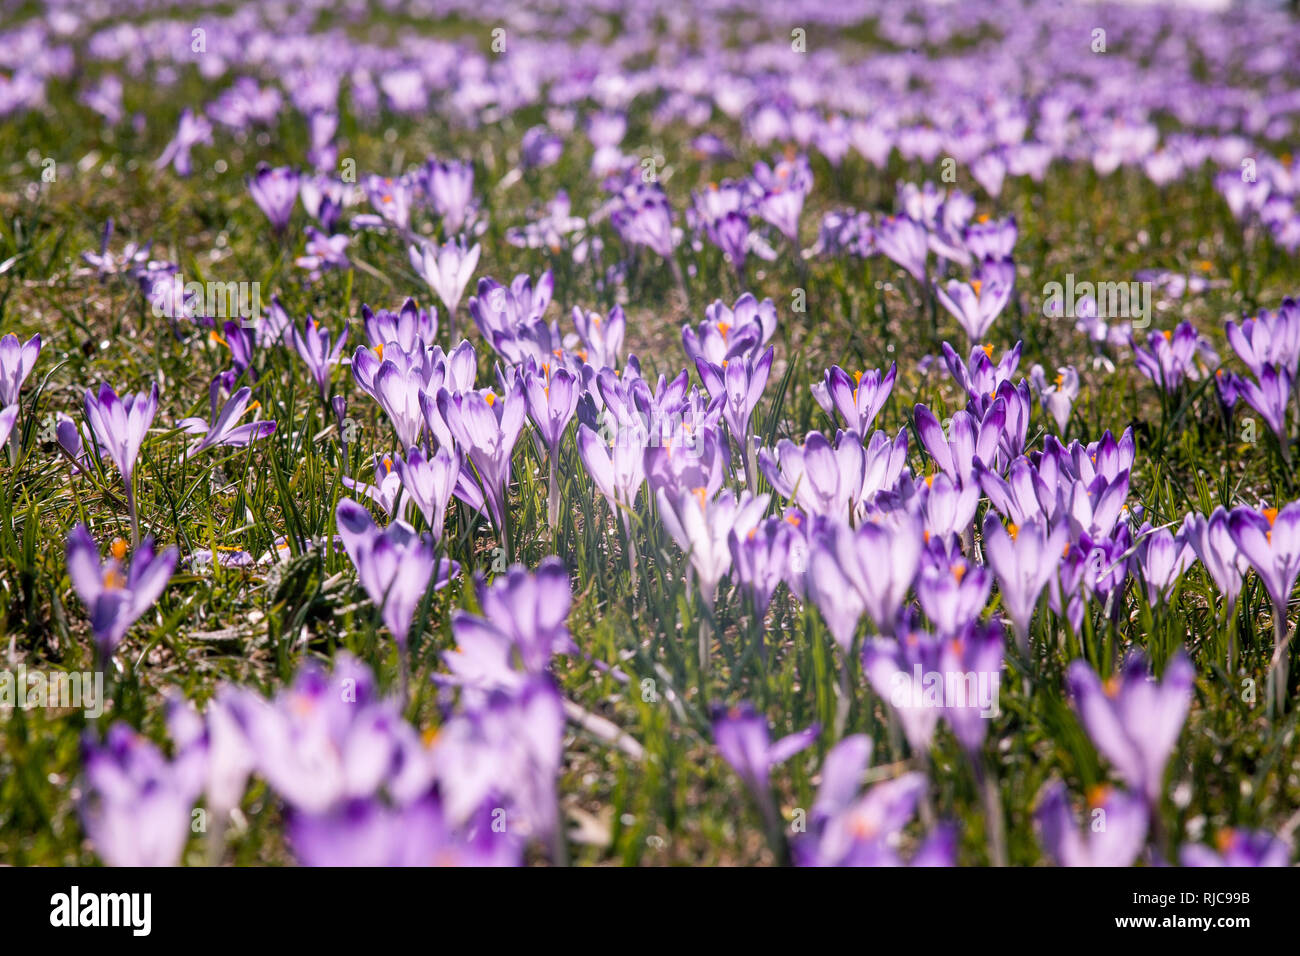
430 482
968 439
486 426
115 596
743 740
977 304
868 570
850 828
410 327
313 346
1114 833
1270 540
1270 396
395 565
1132 720
540 147
223 430
603 338
1272 339
1024 558
323 252
136 807
1169 357
192 130
275 191
1238 848
760 557
1162 558
702 526
8 418
741 381
552 400
16 363
447 269
1211 539
450 185
897 670
728 332
1058 396
904 241
953 595
523 612
857 398
119 427
617 466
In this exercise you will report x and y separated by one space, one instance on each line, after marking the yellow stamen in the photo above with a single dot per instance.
114 580
988 350
379 351
118 548
976 284
1098 795
702 494
959 571
1013 530
490 398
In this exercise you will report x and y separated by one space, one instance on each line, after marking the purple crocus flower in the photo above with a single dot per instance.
1024 558
1211 539
119 427
1270 540
897 670
642 217
904 241
702 526
744 742
276 192
977 304
868 570
313 346
323 252
447 269
540 147
1270 396
968 439
1132 720
1169 357
136 808
16 363
1162 558
1115 831
741 382
760 557
858 398
953 594
523 613
1238 848
1271 339
552 400
116 597
849 828
451 190
223 430
430 482
411 327
603 338
192 130
395 565
486 426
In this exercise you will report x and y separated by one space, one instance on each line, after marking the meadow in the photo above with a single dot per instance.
601 433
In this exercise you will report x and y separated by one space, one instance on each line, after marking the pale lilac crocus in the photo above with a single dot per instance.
602 338
1211 539
869 570
313 346
1162 557
552 399
904 241
410 326
977 304
447 269
760 557
1114 833
116 596
486 427
1133 720
858 397
1270 541
119 427
430 482
16 363
395 565
1024 558
1235 847
136 804
275 190
222 430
